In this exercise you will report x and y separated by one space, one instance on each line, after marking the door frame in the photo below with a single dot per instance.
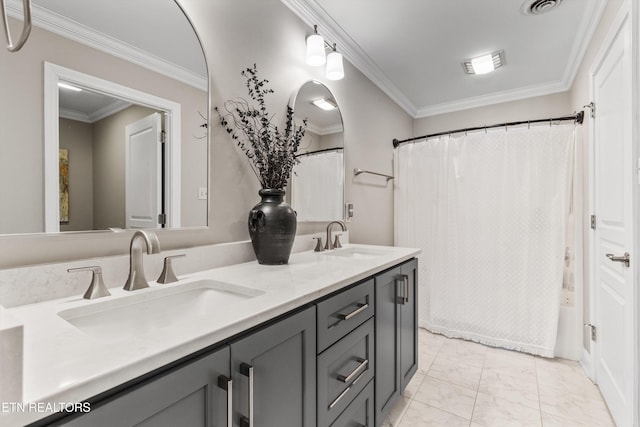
52 75
629 12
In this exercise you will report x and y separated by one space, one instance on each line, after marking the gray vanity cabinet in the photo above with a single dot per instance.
342 362
188 396
396 335
273 372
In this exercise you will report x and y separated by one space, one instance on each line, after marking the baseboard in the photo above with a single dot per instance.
587 365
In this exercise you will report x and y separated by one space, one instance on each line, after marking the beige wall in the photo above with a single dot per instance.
21 122
540 107
234 36
267 33
109 187
77 137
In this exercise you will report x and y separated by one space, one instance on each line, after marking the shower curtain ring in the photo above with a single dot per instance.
529 124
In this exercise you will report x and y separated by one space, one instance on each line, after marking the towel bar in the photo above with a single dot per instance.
358 171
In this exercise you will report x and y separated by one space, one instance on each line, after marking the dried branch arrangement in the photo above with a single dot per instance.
269 149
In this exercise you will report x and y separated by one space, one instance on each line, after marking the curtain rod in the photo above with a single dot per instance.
319 151
578 118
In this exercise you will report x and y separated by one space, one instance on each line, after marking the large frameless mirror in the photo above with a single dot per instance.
104 119
317 182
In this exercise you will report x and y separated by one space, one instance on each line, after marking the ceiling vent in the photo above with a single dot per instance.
538 7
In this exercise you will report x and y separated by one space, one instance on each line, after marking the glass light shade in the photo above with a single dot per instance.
315 50
335 69
483 64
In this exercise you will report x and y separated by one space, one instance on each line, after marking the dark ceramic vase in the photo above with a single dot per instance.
272 227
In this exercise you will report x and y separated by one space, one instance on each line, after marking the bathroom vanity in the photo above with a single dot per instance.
328 340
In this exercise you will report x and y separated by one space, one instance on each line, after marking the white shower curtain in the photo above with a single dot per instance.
317 186
489 212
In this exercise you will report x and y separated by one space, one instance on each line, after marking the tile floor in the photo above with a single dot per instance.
460 383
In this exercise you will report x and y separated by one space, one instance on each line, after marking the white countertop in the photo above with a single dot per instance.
64 364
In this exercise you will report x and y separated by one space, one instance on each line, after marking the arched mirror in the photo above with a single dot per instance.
104 119
317 183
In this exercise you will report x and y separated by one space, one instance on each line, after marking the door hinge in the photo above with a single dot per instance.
594 331
163 137
593 222
592 107
162 219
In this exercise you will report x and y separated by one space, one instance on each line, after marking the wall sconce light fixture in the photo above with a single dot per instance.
316 55
315 49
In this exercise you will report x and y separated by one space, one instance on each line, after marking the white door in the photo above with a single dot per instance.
144 172
613 186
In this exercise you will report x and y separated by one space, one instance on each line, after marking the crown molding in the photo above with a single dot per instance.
322 131
78 116
72 30
586 30
312 13
108 110
491 99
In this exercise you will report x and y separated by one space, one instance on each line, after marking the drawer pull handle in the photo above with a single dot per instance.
360 309
361 367
337 399
247 370
226 384
344 393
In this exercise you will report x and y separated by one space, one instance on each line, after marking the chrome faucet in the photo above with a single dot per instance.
136 279
328 246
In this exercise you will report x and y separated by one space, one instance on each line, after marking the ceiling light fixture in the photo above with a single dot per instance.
325 104
68 86
316 55
484 64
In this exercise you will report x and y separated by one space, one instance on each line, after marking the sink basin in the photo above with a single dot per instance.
356 253
152 308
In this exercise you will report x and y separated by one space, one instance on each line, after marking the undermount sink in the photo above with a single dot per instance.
152 308
356 253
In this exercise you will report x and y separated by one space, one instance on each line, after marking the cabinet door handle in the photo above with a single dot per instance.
226 384
404 298
247 370
405 278
360 309
361 367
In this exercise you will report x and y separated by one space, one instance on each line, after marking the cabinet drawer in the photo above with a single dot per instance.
342 313
344 369
360 412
